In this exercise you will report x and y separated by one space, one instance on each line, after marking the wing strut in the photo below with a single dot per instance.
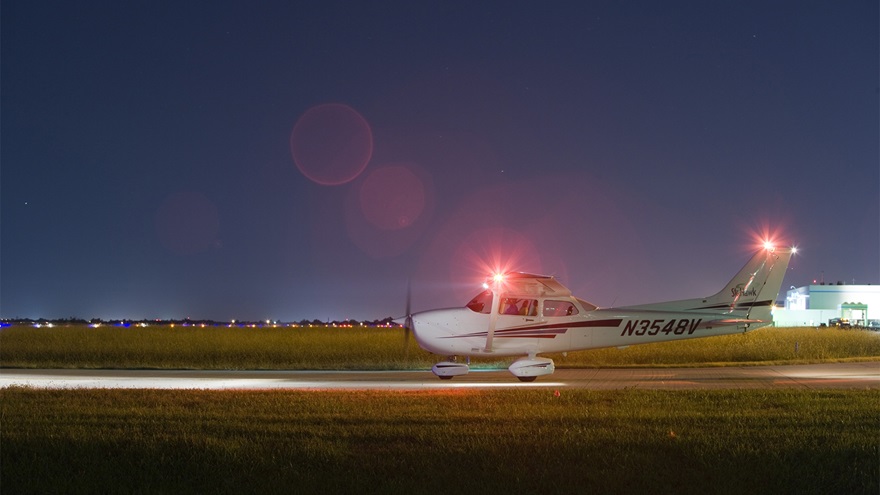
493 318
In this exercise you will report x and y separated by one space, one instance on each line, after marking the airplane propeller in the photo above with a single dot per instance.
408 321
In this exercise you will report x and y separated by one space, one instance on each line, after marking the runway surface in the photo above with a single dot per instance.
810 376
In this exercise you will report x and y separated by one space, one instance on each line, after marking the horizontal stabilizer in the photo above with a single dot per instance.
731 321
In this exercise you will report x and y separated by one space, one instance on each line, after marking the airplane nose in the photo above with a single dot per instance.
406 322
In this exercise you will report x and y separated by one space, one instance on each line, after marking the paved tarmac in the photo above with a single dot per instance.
810 376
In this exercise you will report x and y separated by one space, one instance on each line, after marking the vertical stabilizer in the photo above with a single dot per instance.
753 291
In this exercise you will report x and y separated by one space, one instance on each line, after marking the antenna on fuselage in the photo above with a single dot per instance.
614 301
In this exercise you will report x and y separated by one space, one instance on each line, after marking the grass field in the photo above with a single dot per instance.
626 441
528 441
383 348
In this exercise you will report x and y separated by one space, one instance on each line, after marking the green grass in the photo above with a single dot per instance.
208 348
149 441
383 348
525 441
767 345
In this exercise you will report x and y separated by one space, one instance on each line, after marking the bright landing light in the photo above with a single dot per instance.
495 280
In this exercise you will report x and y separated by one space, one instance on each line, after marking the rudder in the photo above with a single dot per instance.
753 291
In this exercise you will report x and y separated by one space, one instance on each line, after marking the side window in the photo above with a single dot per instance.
517 306
559 308
482 303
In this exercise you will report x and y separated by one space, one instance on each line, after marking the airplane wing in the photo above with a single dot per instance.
534 285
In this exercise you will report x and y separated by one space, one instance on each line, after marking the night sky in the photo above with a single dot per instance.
303 160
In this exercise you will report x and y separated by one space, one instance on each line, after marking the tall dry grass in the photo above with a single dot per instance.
384 348
767 345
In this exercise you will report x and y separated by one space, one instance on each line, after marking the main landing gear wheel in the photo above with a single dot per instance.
529 368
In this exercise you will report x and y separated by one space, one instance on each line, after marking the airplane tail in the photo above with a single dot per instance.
749 296
753 291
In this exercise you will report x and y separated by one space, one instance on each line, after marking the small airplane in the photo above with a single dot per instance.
522 314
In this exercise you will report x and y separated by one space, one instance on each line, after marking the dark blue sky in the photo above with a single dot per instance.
634 149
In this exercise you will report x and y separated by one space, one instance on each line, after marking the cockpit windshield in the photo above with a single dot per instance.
482 303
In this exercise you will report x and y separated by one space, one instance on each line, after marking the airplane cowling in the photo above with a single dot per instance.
448 369
530 368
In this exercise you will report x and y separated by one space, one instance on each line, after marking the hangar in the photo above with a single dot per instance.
813 305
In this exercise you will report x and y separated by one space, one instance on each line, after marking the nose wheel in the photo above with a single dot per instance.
445 370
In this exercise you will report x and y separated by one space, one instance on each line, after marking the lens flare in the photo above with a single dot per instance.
392 197
766 237
497 251
331 144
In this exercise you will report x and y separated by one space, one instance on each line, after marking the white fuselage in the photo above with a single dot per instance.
440 331
526 315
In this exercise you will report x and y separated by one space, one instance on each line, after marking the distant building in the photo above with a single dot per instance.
813 305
